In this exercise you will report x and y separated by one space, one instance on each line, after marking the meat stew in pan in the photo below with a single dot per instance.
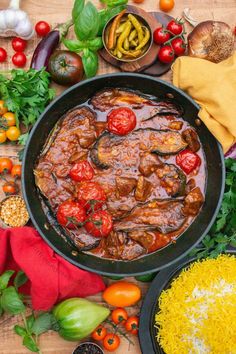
122 174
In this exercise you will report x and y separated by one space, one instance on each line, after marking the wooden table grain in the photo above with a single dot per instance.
58 11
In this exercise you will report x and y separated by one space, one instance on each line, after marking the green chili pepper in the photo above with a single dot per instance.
145 39
137 26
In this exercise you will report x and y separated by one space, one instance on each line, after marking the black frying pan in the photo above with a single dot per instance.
161 258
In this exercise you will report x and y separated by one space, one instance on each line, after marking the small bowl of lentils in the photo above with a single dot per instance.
88 348
13 211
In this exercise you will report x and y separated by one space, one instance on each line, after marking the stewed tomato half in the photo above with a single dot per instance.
99 224
188 161
81 171
71 214
91 195
121 121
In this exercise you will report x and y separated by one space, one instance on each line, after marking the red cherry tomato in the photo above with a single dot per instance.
71 214
131 324
18 44
19 59
42 28
160 35
179 46
188 161
121 121
175 27
100 224
3 55
166 54
91 195
81 171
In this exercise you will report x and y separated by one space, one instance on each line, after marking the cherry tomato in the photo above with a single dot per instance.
138 1
19 59
81 171
188 160
10 188
99 333
71 210
13 133
16 171
166 54
9 119
3 55
166 5
122 294
91 195
121 121
131 324
179 46
111 342
235 30
119 315
175 27
18 44
3 109
100 224
160 35
5 165
42 28
3 136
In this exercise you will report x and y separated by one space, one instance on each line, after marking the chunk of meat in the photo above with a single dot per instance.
83 240
143 189
190 136
145 238
193 202
120 246
164 216
190 185
176 125
172 179
148 163
125 185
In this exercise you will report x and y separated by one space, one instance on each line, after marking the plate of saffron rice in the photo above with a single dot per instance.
190 308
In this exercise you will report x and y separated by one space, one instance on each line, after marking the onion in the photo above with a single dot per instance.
211 40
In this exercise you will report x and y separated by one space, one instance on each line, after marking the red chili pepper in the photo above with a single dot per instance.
188 161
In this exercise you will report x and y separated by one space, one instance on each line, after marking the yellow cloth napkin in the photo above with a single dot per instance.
213 87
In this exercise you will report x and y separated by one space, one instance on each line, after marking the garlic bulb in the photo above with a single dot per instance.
211 40
15 22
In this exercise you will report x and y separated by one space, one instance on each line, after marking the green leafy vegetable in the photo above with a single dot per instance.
29 343
4 279
87 23
42 323
77 45
90 63
114 3
20 330
106 14
77 8
11 301
223 232
20 279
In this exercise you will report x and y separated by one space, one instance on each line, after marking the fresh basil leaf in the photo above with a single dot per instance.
77 9
20 279
42 323
106 14
4 278
30 322
21 331
1 310
90 63
74 45
87 23
29 343
95 44
11 302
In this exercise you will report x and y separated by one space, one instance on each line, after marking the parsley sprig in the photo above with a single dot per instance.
223 232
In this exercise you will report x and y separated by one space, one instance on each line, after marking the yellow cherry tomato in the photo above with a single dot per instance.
3 109
3 136
166 5
10 119
13 133
122 294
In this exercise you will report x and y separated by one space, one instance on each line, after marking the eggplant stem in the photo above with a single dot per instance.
14 4
64 28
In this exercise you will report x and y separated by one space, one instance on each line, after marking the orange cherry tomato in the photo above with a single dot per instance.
3 136
111 342
99 333
5 165
9 188
138 1
3 109
9 119
16 171
13 133
122 294
166 5
119 316
131 324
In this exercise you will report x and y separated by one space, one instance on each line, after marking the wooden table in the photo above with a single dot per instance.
58 11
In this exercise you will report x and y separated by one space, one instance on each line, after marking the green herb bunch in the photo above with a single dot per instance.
88 27
223 232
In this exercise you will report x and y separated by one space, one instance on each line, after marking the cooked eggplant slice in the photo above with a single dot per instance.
191 138
165 216
123 151
165 108
172 179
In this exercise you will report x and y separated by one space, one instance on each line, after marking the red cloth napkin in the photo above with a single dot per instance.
51 278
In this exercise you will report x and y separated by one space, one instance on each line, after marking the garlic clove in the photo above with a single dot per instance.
24 30
11 19
2 21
